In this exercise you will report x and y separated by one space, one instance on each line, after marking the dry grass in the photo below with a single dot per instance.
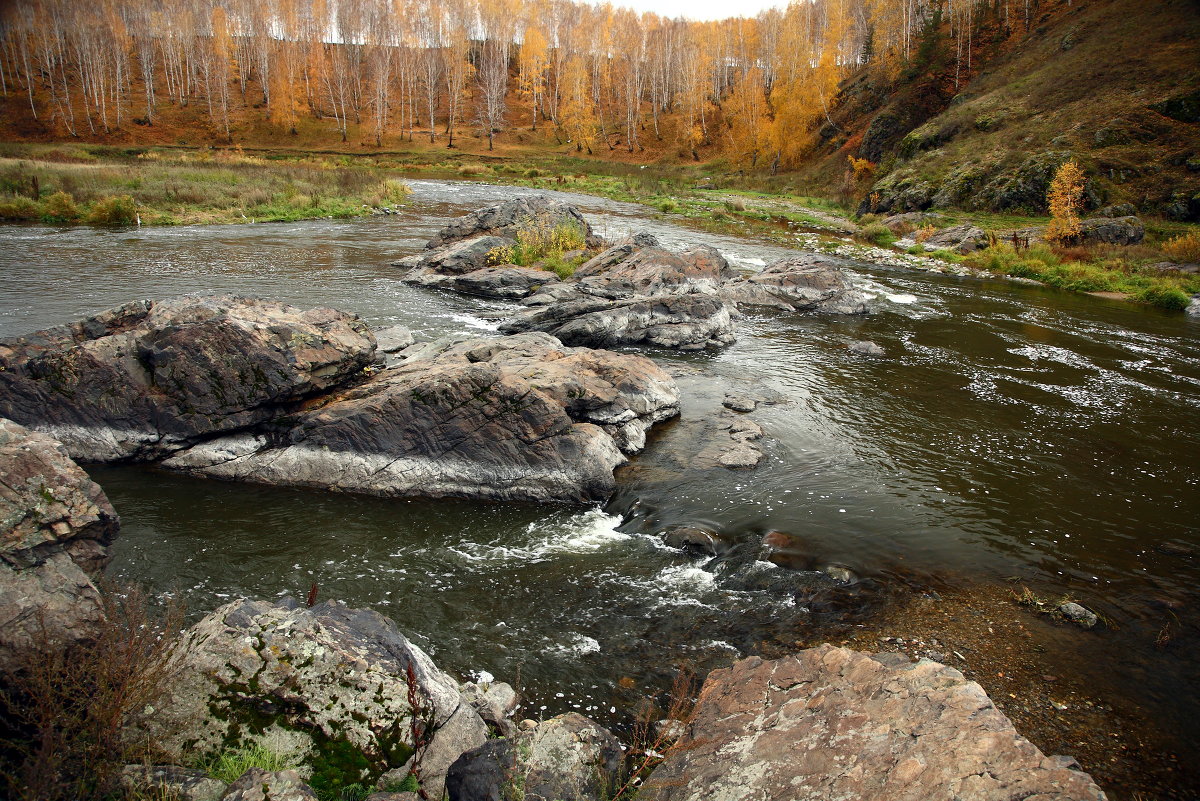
65 710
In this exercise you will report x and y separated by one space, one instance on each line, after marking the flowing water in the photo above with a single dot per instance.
1011 431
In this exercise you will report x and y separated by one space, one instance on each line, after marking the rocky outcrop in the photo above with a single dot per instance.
635 294
505 219
964 239
322 685
171 781
807 282
566 758
833 723
55 528
1112 230
516 418
147 378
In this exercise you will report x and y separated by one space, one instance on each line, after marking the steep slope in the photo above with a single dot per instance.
1113 83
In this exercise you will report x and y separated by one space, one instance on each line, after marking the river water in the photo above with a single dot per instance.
1011 432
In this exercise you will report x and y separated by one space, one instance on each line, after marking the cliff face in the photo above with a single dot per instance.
1114 84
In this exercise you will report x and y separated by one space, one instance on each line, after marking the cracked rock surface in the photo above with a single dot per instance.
515 418
834 723
305 680
146 378
55 528
636 293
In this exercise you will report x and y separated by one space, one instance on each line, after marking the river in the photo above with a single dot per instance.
1011 432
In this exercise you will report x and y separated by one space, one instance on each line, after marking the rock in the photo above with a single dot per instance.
505 219
505 283
393 339
458 258
840 573
734 450
808 282
867 348
150 377
566 758
328 681
171 781
904 223
495 702
787 551
694 540
1079 615
961 238
832 723
739 403
1184 108
55 528
393 797
632 295
668 731
1193 308
1112 231
514 418
257 784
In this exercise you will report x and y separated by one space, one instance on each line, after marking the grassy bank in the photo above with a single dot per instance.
103 186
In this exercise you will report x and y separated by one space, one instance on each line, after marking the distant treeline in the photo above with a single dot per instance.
759 87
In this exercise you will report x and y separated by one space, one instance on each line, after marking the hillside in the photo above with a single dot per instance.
1114 84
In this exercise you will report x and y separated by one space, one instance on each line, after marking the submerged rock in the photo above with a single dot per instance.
694 540
55 528
833 723
635 294
515 418
867 348
1079 615
808 282
144 379
566 758
328 681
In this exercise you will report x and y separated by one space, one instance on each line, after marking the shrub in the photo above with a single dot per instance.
110 210
924 233
1183 249
65 708
1165 297
540 241
666 205
60 207
877 234
19 208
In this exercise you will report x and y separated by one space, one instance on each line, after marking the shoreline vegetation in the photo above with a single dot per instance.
66 184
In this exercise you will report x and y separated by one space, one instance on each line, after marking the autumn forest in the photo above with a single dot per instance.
596 76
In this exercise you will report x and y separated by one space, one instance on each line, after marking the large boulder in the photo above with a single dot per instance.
505 219
833 723
964 239
335 689
55 528
457 258
1112 230
807 282
636 295
515 418
565 758
147 378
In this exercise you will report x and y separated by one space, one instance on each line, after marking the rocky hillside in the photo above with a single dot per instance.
1114 84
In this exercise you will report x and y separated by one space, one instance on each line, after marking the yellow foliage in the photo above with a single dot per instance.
1183 249
1065 199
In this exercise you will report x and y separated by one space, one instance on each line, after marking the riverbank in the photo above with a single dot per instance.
108 185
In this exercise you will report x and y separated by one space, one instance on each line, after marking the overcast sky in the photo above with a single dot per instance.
701 9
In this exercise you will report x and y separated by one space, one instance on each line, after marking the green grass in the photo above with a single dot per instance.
1040 263
540 244
228 765
163 187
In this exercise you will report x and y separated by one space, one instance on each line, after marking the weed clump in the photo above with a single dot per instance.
541 241
19 208
1183 249
877 234
60 208
118 210
229 765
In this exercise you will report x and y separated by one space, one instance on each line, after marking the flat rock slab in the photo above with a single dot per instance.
513 418
807 282
55 528
832 723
